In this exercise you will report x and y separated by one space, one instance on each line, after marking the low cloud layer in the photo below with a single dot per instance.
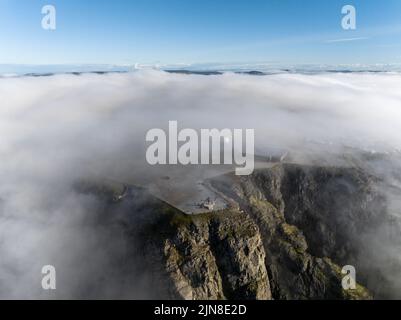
55 130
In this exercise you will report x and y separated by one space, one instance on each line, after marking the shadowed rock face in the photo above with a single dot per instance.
341 214
332 206
289 231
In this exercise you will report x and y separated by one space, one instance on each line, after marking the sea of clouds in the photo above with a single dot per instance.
57 129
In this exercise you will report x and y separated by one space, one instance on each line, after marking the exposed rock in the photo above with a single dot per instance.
287 235
212 256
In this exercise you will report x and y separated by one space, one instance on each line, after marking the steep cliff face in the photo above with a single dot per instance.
217 257
310 220
231 256
289 231
332 206
343 215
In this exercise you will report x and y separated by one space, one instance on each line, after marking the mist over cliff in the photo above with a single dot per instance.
59 129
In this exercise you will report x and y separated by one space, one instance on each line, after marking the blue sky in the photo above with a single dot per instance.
199 31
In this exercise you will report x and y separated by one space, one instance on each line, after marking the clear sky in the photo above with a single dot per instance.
200 31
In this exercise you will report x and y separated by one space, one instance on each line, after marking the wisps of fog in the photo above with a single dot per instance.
55 130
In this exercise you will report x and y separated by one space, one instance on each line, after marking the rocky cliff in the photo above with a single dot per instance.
287 234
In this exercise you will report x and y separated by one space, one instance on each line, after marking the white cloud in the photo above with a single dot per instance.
346 40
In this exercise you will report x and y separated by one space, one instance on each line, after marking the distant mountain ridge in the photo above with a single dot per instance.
200 69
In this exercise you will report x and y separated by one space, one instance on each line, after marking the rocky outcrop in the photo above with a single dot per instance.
216 257
287 235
